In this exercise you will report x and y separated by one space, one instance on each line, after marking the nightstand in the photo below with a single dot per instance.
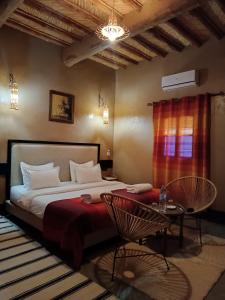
106 164
3 169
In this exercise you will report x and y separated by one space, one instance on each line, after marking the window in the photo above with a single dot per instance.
178 137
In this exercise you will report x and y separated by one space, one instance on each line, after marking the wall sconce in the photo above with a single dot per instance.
105 115
108 153
14 97
105 111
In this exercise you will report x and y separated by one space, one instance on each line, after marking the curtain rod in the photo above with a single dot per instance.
211 94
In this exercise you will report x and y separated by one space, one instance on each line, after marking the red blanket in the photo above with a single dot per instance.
145 197
66 222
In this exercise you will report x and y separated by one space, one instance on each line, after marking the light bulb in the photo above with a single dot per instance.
112 38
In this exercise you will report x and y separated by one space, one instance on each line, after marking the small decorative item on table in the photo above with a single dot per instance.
170 204
162 199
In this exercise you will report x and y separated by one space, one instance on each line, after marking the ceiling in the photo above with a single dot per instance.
157 27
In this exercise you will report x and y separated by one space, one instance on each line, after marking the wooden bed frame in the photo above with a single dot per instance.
58 152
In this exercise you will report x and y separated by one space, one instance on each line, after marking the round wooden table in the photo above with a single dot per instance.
177 212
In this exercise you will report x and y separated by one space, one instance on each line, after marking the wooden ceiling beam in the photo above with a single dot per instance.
7 7
47 25
185 32
103 62
111 61
37 33
135 3
150 46
53 13
135 51
152 13
109 7
208 22
165 37
122 56
82 12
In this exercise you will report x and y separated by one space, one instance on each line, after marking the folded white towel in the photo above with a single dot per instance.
139 188
91 198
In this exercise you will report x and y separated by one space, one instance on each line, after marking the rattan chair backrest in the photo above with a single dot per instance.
133 220
194 193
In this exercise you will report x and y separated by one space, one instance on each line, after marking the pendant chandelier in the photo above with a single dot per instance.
112 31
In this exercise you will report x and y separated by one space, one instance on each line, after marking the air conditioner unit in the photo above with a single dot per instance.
184 79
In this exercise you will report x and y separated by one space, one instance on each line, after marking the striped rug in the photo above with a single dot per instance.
29 271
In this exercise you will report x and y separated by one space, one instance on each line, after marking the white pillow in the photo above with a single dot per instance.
74 165
26 167
91 174
44 178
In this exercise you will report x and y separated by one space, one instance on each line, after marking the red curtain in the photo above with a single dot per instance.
181 138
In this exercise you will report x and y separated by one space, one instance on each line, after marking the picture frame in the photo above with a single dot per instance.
61 107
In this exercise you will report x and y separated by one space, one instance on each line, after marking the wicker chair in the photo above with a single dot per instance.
134 221
195 194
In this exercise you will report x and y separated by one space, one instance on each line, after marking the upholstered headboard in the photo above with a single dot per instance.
40 152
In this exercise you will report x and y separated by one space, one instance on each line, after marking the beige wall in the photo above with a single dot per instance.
37 68
133 128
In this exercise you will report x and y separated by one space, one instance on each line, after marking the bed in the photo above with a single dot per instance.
30 205
48 209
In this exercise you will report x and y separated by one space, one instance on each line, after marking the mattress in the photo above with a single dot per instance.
36 201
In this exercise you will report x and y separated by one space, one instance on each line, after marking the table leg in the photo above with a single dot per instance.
181 236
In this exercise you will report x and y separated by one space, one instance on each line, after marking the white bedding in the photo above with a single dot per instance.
18 191
36 201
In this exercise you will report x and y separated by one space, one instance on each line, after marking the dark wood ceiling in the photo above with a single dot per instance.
65 22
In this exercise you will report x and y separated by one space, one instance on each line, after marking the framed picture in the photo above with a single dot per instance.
61 107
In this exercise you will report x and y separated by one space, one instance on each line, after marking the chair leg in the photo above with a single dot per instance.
199 227
165 247
114 262
167 265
